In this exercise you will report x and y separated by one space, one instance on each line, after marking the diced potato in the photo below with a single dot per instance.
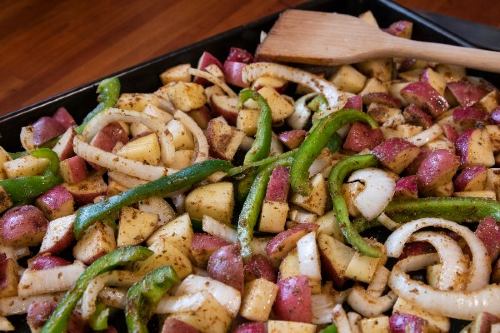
158 206
412 75
135 226
362 268
98 240
177 73
273 216
154 110
5 201
281 326
290 265
373 85
437 322
215 200
258 299
281 108
165 254
115 188
347 78
350 191
10 277
138 129
380 69
207 315
4 157
5 325
489 101
144 149
316 201
247 121
440 143
328 225
395 90
182 137
374 325
404 131
185 96
178 232
182 159
223 139
215 228
494 133
25 166
136 102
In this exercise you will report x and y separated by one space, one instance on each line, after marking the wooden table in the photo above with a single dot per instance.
49 46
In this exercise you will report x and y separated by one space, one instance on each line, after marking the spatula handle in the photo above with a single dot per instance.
448 54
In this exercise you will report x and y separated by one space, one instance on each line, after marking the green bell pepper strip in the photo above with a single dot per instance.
182 179
334 143
109 92
336 179
316 141
143 297
317 103
244 184
262 163
58 321
251 208
262 144
24 189
332 328
99 319
453 208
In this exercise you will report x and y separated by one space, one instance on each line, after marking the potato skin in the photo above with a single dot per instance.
293 301
23 226
226 266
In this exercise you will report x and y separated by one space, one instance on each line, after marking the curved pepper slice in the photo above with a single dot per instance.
317 139
336 179
453 208
262 144
58 321
161 187
252 206
24 189
144 295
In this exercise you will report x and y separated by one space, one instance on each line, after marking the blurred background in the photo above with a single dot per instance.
49 46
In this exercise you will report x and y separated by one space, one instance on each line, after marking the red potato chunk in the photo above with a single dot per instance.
285 241
226 266
401 29
59 235
204 245
45 129
437 169
40 312
488 231
64 146
225 106
86 191
73 170
293 301
63 117
56 202
206 60
474 147
240 55
172 325
201 116
232 73
223 139
403 323
416 116
450 132
47 261
406 188
413 167
252 328
292 139
381 98
23 226
278 186
354 102
471 179
396 153
107 138
466 93
9 276
468 116
361 136
258 266
423 95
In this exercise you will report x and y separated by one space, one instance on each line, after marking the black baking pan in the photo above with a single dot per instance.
145 77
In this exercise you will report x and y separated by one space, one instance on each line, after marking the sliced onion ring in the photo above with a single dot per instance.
336 100
213 79
454 264
301 113
369 305
453 304
480 268
201 151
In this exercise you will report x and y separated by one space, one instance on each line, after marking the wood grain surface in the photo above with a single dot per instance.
49 46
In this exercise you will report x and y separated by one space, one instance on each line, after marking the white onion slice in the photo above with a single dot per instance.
322 308
340 319
480 268
387 222
126 180
301 114
215 228
213 79
369 305
308 255
454 264
114 162
379 281
201 141
336 100
354 319
426 136
453 304
377 193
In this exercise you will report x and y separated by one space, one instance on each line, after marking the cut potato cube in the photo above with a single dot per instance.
135 226
25 166
182 159
185 96
436 322
158 206
10 277
136 102
273 216
215 200
350 191
178 232
258 299
373 85
328 225
115 188
4 157
179 73
98 240
138 129
374 325
144 149
205 314
282 326
347 78
165 254
182 137
290 265
281 107
490 101
224 140
494 133
362 268
395 90
316 201
247 121
380 69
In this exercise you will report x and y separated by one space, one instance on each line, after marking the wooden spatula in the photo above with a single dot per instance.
333 39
